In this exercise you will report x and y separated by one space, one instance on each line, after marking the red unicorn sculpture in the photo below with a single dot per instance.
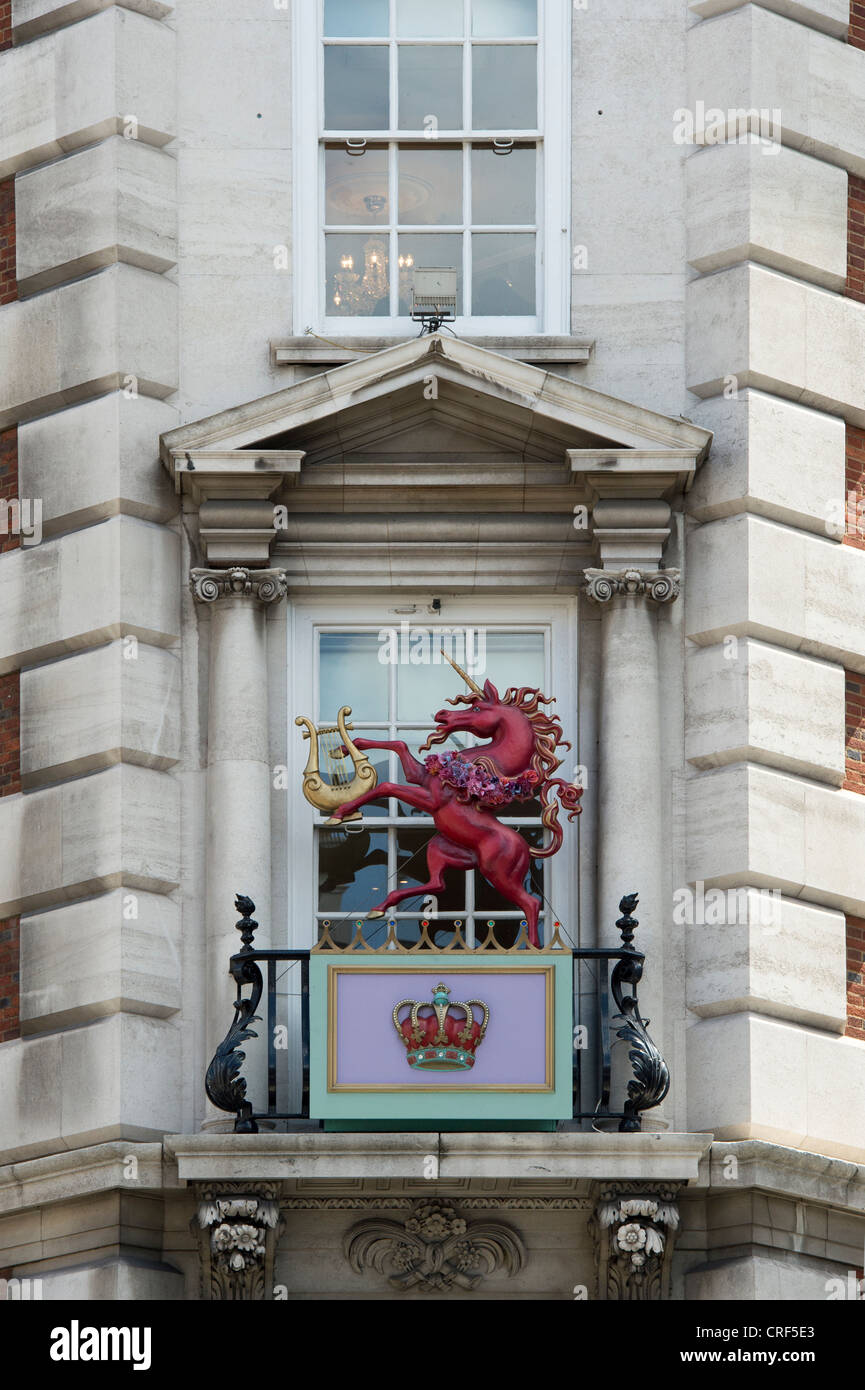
462 791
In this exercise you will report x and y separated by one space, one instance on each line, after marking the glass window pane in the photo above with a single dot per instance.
355 87
352 869
430 84
356 187
515 658
350 673
431 184
504 86
425 680
356 19
503 273
435 249
504 19
503 185
421 19
356 267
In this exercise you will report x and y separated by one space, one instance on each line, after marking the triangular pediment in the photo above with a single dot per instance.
433 398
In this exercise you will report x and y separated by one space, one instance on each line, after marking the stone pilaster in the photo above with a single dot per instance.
238 767
631 586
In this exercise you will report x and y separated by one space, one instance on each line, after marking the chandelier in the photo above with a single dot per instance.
362 287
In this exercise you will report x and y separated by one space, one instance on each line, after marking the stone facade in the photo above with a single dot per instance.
159 399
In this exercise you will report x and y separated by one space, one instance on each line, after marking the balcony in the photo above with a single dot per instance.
561 1045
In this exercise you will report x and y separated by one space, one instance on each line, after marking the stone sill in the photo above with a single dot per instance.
310 349
212 1157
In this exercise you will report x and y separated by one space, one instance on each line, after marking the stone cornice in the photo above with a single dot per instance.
789 1172
37 1182
233 490
311 349
209 1157
206 474
635 473
263 586
579 1158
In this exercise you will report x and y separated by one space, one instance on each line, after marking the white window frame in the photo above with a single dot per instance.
554 175
557 615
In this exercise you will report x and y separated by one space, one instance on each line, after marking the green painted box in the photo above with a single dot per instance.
498 1049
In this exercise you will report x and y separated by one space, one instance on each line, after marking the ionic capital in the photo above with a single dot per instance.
661 586
264 586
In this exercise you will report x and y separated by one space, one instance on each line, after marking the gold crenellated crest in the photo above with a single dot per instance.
326 745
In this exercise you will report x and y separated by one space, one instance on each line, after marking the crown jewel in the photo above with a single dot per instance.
441 1040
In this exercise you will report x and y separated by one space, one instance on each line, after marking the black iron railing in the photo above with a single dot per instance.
601 977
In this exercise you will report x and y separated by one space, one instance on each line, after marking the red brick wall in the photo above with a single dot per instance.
855 733
10 758
10 766
856 236
8 285
8 486
854 531
855 535
10 781
9 968
856 978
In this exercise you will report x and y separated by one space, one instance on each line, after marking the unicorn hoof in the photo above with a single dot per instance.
371 916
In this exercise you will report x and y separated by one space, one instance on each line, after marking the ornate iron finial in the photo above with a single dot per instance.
247 924
626 922
651 1080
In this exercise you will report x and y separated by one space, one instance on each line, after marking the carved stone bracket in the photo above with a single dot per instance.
237 1225
267 586
634 1226
662 586
434 1249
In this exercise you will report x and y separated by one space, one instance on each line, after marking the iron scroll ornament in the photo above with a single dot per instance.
225 1087
651 1080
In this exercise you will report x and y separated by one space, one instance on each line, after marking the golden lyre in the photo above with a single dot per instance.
460 672
331 739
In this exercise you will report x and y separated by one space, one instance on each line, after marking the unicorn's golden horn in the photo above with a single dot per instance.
460 672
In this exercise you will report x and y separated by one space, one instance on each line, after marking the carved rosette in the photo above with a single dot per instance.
661 586
634 1226
434 1250
267 586
237 1225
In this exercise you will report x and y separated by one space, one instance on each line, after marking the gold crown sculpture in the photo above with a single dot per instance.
440 1041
